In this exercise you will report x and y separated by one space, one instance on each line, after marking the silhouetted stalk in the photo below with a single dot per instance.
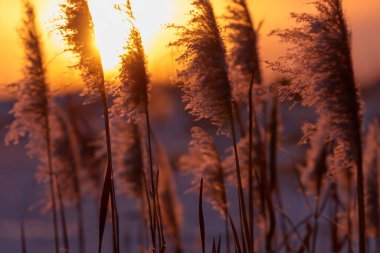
242 206
243 237
236 237
159 218
201 218
250 165
115 218
272 227
149 207
316 217
63 217
266 199
108 190
273 145
348 207
227 235
155 220
357 138
23 240
51 183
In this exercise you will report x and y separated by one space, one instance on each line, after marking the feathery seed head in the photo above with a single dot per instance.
131 96
243 54
32 93
78 31
320 67
204 77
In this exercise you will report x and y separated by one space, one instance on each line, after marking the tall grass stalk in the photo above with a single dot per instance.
23 239
63 216
201 217
78 31
67 164
32 108
132 100
321 71
205 82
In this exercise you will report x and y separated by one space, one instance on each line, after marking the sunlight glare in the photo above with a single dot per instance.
112 28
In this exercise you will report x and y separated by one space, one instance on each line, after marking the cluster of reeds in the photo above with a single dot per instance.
219 77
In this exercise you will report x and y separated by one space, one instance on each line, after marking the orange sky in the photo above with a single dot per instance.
363 18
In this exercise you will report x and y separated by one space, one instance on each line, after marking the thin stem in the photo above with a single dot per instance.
109 172
155 220
63 216
227 235
316 216
250 165
23 240
242 207
51 183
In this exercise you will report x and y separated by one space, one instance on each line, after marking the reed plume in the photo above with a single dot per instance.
243 49
32 108
205 82
131 96
132 100
203 77
78 32
371 172
322 74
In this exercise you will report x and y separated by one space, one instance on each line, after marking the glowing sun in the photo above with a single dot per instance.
112 29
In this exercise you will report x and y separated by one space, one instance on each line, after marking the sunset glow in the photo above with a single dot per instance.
112 27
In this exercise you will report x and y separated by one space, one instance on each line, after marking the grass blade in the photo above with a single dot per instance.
236 237
23 240
201 217
213 246
104 204
218 249
63 216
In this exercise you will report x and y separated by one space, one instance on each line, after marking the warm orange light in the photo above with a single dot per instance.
112 28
